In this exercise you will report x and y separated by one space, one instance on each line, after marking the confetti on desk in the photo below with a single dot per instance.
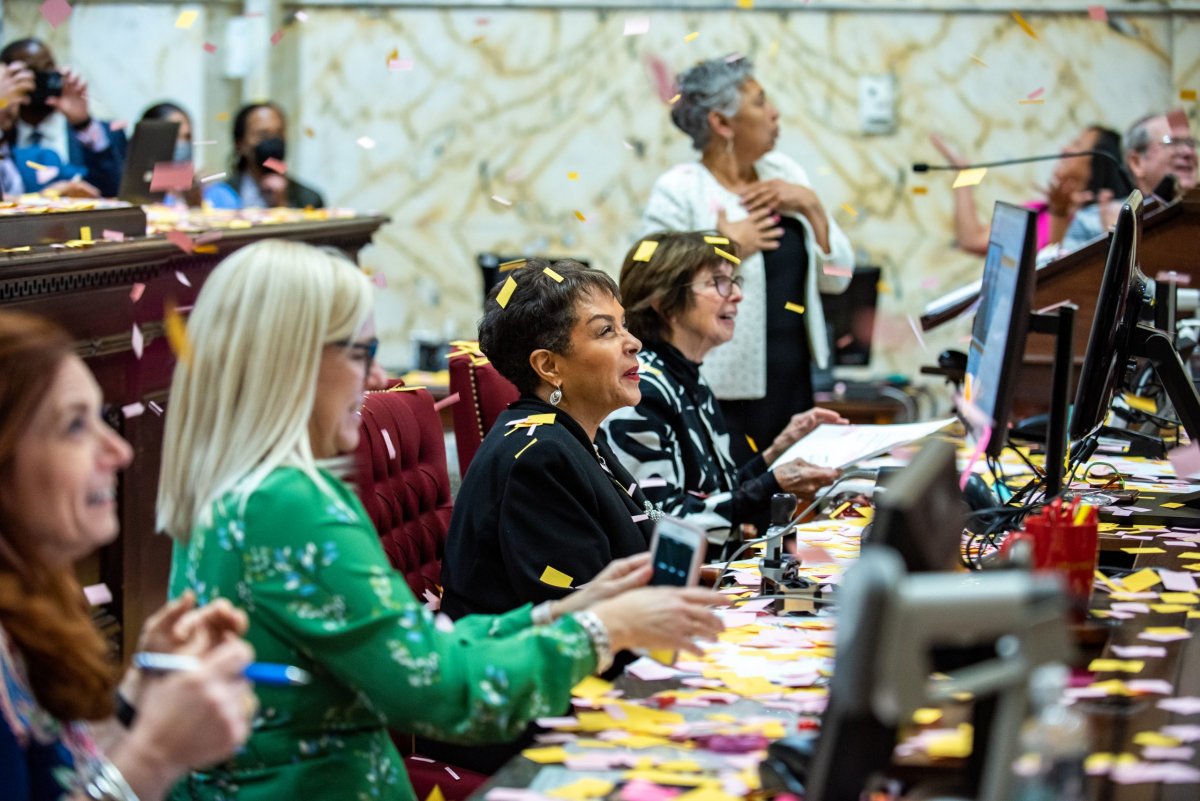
1098 13
365 142
172 176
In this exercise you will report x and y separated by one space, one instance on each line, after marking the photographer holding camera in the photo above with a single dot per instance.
54 120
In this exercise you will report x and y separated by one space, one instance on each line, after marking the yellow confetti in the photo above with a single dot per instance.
645 250
222 116
85 233
546 756
1140 581
753 445
392 56
691 37
970 177
435 794
583 789
593 686
727 256
884 288
1031 101
1179 598
477 39
186 19
1173 505
506 292
846 207
956 745
579 216
716 240
551 576
919 190
517 455
1188 95
1153 738
309 132
927 716
33 165
1116 666
176 331
978 60
674 99
505 266
1025 26
707 793
1143 550
745 3
794 307
553 275
572 176
773 48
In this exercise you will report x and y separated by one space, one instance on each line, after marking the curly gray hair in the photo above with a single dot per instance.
711 85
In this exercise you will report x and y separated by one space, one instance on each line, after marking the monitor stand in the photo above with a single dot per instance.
1157 346
1058 322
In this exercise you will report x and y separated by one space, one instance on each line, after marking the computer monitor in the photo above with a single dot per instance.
153 142
921 513
1002 319
850 318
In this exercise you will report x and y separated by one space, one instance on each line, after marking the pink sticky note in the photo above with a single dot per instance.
137 341
449 400
1178 580
642 790
209 47
135 292
56 12
275 37
112 236
1036 93
1139 651
1184 705
181 240
1172 277
1186 460
1098 13
172 176
97 594
134 409
387 440
275 165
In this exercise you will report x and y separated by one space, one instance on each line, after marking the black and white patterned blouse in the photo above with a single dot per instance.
676 446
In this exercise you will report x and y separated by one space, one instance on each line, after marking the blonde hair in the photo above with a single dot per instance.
240 407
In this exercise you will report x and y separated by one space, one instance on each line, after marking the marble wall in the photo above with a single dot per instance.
506 102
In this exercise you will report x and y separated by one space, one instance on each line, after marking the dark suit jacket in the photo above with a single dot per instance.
101 168
551 506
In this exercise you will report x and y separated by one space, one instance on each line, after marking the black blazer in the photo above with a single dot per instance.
528 505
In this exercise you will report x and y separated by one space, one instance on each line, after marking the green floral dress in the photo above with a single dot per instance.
309 570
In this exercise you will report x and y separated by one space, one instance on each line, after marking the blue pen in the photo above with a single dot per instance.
265 673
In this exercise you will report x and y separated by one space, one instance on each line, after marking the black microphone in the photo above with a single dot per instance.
923 167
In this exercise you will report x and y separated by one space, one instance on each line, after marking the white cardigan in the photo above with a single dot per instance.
686 198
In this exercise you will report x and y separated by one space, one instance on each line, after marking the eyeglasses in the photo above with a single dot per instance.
724 284
1184 142
368 348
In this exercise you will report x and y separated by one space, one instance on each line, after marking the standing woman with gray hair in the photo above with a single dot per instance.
792 250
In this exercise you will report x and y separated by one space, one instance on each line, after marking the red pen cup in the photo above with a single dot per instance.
1069 549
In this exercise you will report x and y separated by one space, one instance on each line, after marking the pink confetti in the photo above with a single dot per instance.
1179 752
838 271
1178 580
181 278
1186 460
209 47
639 518
181 240
653 482
1172 277
449 770
387 440
275 165
112 236
1036 93
400 64
432 602
56 12
131 410
1155 636
449 400
137 341
97 594
642 790
980 447
135 292
275 37
172 176
1098 13
1139 651
379 279
154 407
1184 705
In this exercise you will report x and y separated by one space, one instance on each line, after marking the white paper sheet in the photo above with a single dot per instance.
842 446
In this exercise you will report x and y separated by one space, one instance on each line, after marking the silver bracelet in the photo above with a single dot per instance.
601 644
106 783
543 614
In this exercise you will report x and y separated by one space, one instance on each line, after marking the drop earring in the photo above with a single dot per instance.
556 396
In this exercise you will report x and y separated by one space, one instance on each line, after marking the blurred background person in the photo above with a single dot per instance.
682 303
257 177
1075 183
184 151
58 118
792 250
58 478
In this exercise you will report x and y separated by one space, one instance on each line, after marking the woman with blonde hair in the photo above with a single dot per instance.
282 351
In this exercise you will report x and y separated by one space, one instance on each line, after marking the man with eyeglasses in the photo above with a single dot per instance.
1156 146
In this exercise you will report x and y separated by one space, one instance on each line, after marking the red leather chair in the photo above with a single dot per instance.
482 395
405 487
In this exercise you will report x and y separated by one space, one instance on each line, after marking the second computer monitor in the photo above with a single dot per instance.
1002 319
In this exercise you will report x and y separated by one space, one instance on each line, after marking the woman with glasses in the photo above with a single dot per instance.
682 294
282 336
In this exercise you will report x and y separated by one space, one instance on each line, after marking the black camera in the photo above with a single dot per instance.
47 84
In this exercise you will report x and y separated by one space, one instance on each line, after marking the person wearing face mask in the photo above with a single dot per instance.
257 177
56 117
170 112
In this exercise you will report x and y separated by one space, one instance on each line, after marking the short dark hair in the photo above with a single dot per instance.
665 279
10 51
160 111
540 313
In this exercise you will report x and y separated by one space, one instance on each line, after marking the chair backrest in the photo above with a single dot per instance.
404 484
482 395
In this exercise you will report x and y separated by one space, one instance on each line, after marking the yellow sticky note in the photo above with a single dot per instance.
435 794
583 789
1169 630
1169 609
1140 403
920 190
794 307
176 330
970 177
680 766
506 292
645 250
505 266
85 233
753 445
716 240
546 419
1116 666
553 275
1025 26
186 19
1179 598
572 176
727 256
392 56
579 216
592 686
1187 94
1190 555
709 792
1143 550
952 746
1141 580
1172 505
927 716
546 756
846 207
556 578
1154 738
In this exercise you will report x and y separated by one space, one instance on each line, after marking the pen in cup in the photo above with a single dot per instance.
266 673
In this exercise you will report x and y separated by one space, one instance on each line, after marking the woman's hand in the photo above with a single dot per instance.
190 719
760 231
803 479
16 83
799 426
782 196
620 575
952 156
73 102
667 618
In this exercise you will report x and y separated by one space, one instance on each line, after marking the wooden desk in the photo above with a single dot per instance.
88 292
